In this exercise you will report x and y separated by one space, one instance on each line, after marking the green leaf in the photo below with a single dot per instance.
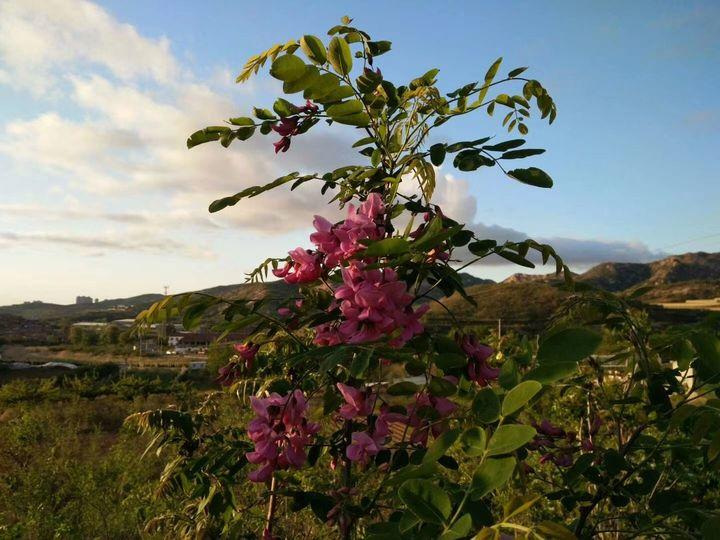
361 119
708 350
515 258
516 398
441 445
473 441
305 81
505 145
287 67
531 176
441 387
336 94
551 373
519 154
263 114
509 375
569 345
340 56
247 127
323 85
364 141
378 47
449 361
482 247
490 75
386 247
486 405
202 136
360 363
508 438
314 49
284 108
460 529
437 154
427 501
517 71
491 475
351 106
403 388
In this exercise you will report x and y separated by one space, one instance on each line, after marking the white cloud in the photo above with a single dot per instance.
453 196
40 39
128 144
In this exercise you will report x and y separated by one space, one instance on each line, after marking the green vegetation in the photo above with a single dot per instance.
68 466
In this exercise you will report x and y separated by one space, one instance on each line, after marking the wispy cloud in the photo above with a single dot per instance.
121 243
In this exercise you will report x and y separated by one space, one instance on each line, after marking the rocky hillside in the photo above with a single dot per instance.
675 278
526 297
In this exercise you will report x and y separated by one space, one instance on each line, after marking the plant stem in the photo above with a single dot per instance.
271 509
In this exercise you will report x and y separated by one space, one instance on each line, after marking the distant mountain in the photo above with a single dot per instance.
521 296
702 269
121 308
527 297
118 308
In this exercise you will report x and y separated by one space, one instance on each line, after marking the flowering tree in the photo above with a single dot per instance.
383 427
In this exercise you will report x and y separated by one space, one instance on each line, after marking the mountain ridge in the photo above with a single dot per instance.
675 278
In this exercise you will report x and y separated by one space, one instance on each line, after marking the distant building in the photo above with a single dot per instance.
189 342
82 300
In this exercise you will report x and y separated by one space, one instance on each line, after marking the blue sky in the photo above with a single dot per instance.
100 197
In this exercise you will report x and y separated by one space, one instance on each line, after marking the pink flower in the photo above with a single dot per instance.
342 241
282 145
362 448
444 408
478 368
281 432
374 305
304 268
286 127
422 422
247 352
309 108
357 402
228 374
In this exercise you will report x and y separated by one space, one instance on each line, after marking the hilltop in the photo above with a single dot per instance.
121 308
526 297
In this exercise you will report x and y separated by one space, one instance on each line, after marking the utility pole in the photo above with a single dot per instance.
499 329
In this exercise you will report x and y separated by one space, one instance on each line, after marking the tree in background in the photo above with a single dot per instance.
111 335
76 335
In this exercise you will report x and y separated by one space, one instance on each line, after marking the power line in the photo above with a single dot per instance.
715 235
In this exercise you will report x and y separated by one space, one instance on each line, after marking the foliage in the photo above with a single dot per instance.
383 428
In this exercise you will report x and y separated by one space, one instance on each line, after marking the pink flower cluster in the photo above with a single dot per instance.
292 125
422 422
478 368
374 304
304 267
281 432
340 242
228 374
247 352
557 445
360 404
335 243
366 444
